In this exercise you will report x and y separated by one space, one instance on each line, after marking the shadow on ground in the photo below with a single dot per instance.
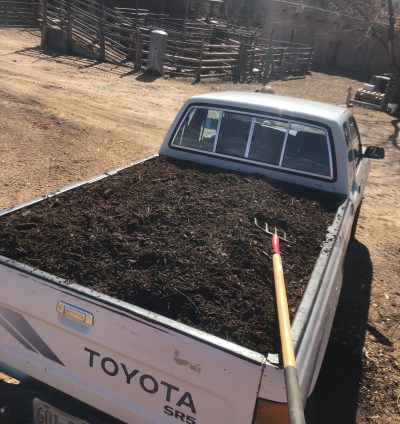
148 77
335 397
393 137
79 62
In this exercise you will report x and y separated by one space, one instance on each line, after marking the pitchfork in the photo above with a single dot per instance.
294 396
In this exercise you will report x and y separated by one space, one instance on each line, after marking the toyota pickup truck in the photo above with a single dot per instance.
90 357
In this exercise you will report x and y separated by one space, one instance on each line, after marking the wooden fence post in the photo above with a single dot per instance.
102 43
36 19
239 63
184 31
61 14
264 67
139 52
310 58
213 35
44 23
129 56
6 13
268 62
246 56
69 25
283 56
198 74
295 61
252 61
187 9
253 40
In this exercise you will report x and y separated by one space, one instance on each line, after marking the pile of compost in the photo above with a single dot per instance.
178 239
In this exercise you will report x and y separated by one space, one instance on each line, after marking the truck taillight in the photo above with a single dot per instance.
269 412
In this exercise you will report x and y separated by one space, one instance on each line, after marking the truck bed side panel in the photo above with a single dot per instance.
125 365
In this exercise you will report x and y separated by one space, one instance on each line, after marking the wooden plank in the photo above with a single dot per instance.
90 31
20 11
86 42
185 43
224 46
17 3
86 23
89 5
84 33
115 45
85 17
116 36
221 54
119 27
183 50
225 74
183 59
193 68
217 67
182 74
77 11
114 55
222 61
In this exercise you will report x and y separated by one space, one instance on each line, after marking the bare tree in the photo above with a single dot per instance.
227 7
381 22
380 19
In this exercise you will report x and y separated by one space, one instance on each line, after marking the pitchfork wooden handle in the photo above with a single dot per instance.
294 396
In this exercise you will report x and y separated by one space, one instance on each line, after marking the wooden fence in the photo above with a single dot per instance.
261 63
91 29
199 60
195 48
238 62
19 13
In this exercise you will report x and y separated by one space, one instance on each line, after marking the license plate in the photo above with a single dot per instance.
44 413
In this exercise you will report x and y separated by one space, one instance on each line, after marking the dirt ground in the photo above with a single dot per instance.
64 118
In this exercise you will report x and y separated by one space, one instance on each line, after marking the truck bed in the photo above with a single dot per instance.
178 239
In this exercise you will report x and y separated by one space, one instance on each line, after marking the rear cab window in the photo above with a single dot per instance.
233 134
307 150
268 141
199 129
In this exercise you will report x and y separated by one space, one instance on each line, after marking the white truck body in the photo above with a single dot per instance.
142 368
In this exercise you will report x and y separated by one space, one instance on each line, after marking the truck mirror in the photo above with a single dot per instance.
374 152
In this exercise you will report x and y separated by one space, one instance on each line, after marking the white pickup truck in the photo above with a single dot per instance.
89 357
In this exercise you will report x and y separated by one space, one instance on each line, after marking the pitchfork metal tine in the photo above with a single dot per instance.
267 231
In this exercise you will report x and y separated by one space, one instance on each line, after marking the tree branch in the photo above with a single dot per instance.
389 44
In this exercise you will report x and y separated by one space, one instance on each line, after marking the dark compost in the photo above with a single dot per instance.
178 239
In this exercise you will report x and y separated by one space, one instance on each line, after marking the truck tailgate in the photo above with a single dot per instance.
128 362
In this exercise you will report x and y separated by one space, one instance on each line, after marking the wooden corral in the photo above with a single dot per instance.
196 48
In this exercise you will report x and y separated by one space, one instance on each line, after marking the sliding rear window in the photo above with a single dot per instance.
199 129
274 142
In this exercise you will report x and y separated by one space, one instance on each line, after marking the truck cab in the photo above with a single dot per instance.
298 141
